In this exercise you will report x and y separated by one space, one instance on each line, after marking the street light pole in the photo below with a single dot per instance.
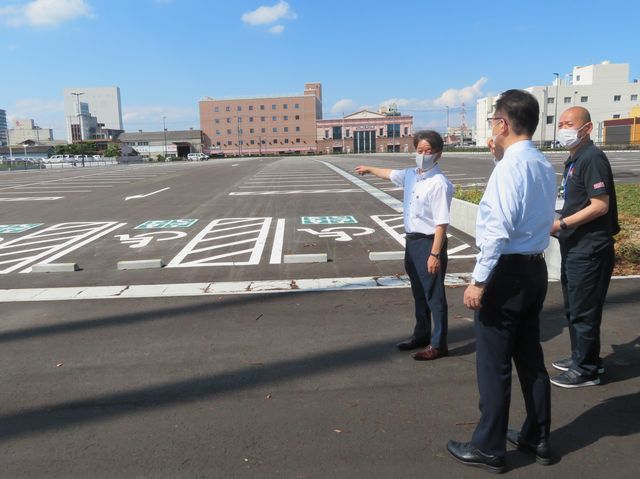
78 95
555 115
164 130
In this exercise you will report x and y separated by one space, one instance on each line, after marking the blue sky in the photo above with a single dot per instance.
167 54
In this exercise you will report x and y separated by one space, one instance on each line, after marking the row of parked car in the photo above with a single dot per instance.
73 159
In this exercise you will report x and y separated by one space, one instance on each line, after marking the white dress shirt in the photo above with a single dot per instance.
427 198
517 209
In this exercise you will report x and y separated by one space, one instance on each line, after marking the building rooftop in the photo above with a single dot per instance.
159 135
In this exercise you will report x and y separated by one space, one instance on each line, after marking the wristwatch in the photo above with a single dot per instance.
435 255
563 225
479 284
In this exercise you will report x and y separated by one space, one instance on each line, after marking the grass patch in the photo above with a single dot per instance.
628 240
472 195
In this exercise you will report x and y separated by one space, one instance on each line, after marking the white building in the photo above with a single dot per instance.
3 128
81 104
603 89
26 130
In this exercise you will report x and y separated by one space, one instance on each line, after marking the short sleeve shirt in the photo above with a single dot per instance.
586 175
427 198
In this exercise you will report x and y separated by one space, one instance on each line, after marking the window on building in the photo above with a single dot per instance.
393 130
577 77
228 120
584 99
381 132
285 106
228 108
297 140
239 108
285 118
298 116
262 107
275 130
251 130
217 143
262 118
567 99
228 132
217 120
263 130
250 107
616 116
252 142
346 133
337 132
274 118
550 100
229 143
634 97
273 107
326 133
216 109
239 119
549 119
617 97
286 140
297 128
406 130
217 132
250 119
240 130
296 105
286 129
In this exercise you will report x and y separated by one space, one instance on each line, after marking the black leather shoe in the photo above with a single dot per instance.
412 343
469 455
541 450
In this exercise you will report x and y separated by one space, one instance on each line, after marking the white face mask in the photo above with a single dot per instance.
425 162
568 137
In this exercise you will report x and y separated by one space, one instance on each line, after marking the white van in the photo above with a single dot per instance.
197 157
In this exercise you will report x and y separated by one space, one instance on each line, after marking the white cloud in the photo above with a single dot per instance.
149 117
267 15
276 29
346 105
45 13
451 97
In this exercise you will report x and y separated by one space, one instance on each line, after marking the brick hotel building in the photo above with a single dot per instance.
262 125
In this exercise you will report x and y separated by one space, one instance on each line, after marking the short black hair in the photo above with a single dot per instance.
521 109
433 137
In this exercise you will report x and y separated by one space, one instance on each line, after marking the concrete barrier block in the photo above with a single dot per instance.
305 258
386 255
141 264
55 268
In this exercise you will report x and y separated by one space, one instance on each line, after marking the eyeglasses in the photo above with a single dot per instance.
491 119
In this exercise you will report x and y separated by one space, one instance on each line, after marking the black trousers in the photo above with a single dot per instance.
585 280
508 327
428 291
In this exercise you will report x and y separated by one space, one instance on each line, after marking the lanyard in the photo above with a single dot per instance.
565 178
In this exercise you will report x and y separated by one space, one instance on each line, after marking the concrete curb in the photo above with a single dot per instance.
55 268
305 258
141 264
463 218
386 255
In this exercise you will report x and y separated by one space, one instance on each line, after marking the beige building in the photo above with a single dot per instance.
262 125
366 132
25 130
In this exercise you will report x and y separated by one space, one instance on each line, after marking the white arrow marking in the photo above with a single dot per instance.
148 194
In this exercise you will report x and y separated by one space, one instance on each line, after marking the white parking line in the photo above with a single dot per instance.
278 240
290 192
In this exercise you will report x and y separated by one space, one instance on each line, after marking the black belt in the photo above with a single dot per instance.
415 236
522 257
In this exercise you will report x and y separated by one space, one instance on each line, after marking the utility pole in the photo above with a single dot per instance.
447 132
343 132
555 115
78 95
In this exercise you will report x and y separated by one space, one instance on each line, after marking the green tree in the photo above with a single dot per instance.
113 150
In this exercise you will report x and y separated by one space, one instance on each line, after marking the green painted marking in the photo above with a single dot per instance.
165 224
18 228
328 220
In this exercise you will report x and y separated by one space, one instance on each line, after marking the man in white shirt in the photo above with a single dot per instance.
427 199
508 288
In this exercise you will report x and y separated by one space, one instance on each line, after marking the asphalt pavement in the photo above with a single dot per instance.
294 383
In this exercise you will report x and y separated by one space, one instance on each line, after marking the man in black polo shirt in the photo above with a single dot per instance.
588 222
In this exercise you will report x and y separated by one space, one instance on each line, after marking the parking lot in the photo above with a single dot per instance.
231 361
